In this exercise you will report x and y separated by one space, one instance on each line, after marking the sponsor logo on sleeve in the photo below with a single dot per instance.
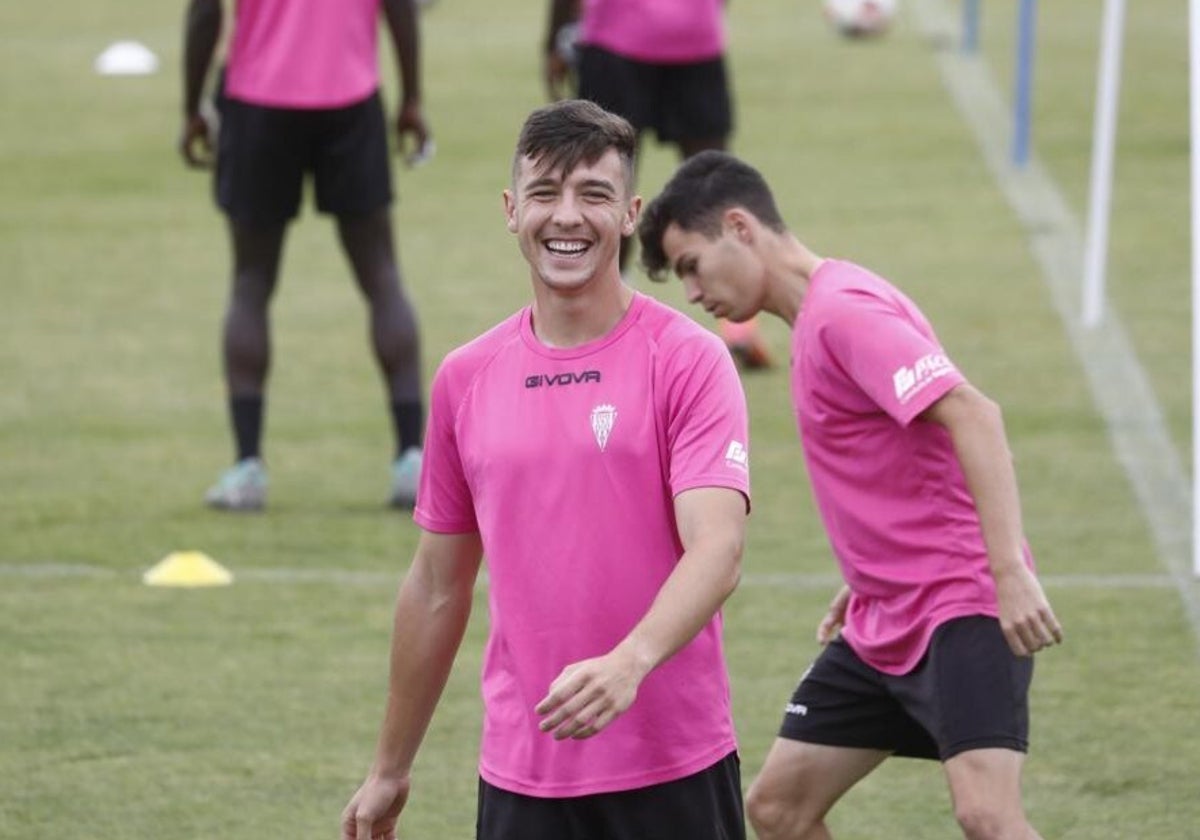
737 456
909 381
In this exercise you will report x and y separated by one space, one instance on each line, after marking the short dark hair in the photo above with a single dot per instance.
700 191
564 134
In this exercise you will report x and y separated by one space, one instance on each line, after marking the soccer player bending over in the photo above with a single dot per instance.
941 612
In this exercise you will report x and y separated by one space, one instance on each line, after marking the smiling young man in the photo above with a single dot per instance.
593 447
941 611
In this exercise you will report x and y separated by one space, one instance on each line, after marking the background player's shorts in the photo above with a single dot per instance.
678 101
968 692
704 806
263 154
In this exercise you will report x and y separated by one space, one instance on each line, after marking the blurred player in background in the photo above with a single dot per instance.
661 66
593 448
300 95
910 467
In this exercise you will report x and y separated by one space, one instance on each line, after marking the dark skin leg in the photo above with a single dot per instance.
246 339
367 242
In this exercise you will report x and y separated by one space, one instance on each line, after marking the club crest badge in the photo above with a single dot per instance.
604 417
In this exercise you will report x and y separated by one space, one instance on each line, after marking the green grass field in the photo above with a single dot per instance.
132 713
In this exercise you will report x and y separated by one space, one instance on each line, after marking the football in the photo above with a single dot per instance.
860 18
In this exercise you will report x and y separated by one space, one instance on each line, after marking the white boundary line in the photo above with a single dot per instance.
1118 383
345 577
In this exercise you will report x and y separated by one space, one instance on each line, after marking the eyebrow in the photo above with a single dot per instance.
589 183
544 181
686 261
602 183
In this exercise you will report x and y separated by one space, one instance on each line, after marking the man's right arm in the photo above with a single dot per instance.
202 30
976 428
432 609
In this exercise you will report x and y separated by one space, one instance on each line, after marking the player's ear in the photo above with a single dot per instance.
510 211
739 222
632 212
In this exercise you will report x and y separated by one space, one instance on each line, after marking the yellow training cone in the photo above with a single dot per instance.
187 568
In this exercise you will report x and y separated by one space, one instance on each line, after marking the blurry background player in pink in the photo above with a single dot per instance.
661 66
593 447
910 468
299 95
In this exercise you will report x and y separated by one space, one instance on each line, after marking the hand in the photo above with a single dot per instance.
195 142
557 76
373 810
589 695
835 616
416 143
1026 619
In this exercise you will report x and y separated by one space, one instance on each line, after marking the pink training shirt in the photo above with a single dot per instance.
656 31
890 490
567 462
303 53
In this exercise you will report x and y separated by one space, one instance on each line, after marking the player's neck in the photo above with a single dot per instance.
790 267
569 320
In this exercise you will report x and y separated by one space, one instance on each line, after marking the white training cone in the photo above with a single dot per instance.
187 569
126 58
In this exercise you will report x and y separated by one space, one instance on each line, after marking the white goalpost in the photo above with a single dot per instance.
1104 132
1194 106
1108 86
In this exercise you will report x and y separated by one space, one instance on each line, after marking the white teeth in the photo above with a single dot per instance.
559 246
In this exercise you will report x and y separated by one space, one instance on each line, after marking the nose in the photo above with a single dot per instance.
691 291
566 210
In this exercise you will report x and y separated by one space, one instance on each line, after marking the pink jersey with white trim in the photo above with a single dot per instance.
890 490
567 462
303 53
656 31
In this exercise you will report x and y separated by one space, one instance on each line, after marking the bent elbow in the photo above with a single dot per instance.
733 566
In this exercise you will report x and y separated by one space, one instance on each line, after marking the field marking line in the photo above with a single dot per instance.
346 577
1118 383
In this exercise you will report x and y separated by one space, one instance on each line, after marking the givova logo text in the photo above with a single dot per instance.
539 380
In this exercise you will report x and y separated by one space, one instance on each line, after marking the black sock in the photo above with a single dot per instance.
407 418
246 412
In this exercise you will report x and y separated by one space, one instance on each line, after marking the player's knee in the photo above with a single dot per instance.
982 820
775 817
252 291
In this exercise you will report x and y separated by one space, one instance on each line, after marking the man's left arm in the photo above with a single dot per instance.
402 23
976 427
589 695
555 71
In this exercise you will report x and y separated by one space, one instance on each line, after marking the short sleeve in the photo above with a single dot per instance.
891 354
707 429
444 501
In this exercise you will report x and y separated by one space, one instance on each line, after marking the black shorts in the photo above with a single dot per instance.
264 153
704 806
678 101
968 692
